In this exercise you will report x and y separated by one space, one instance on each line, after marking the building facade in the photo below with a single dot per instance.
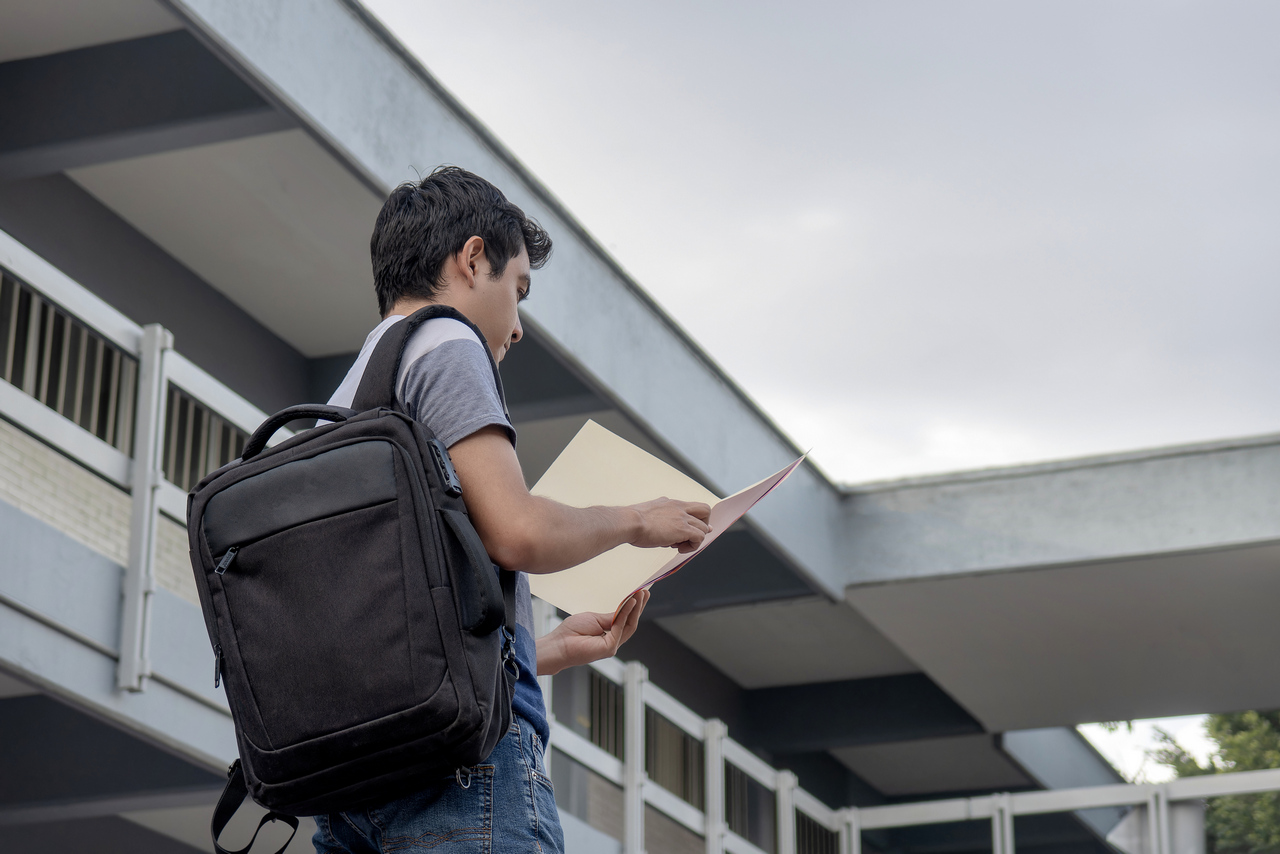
186 192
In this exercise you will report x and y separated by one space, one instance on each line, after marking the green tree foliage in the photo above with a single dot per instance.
1247 741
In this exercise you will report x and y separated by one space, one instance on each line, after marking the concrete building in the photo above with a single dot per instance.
186 193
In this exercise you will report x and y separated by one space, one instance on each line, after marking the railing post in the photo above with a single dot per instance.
139 577
633 778
1002 824
851 831
785 799
713 785
1158 830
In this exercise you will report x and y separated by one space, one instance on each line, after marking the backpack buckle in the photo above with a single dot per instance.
509 654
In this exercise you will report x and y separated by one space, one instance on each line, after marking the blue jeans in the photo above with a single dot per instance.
507 805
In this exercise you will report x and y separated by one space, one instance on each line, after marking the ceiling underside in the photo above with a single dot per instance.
789 642
54 26
934 765
289 227
1120 640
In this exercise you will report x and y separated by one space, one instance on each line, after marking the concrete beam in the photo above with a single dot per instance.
735 570
1154 502
110 804
59 618
101 835
1060 758
62 763
116 101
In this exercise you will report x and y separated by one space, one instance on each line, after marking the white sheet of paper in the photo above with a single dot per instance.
600 468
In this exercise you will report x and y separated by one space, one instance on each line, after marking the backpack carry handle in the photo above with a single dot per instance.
233 795
263 434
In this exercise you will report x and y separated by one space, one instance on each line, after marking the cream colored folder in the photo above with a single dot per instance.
600 468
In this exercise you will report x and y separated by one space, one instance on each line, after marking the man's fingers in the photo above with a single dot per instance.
638 599
700 510
623 610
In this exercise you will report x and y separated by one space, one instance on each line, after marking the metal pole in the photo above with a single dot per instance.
633 776
139 577
713 742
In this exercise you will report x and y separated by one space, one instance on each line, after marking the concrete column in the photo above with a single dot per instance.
145 477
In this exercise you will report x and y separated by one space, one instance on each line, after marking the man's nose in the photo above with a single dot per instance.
518 332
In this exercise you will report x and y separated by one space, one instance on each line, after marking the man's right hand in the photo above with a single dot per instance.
535 534
666 522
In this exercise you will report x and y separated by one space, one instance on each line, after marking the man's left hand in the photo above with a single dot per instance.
587 637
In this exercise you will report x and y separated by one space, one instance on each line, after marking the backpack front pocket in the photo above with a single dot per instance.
318 612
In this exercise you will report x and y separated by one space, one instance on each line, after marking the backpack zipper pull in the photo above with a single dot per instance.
225 563
217 665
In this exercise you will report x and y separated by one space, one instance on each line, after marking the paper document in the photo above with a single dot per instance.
599 468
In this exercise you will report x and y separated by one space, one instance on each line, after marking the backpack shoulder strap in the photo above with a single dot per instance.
378 384
507 581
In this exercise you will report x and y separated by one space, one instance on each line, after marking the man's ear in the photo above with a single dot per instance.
470 258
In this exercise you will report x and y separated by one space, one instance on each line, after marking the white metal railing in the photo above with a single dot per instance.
139 472
846 824
718 751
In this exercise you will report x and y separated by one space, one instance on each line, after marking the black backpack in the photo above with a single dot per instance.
364 637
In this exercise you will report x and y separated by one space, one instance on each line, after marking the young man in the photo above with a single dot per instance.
454 239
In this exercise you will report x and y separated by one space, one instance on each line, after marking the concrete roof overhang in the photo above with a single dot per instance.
1112 588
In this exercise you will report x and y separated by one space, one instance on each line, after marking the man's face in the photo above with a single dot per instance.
494 301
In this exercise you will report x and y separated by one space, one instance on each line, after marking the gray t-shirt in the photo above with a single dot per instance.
446 382
445 379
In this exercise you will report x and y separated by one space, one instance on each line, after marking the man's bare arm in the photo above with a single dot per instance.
533 534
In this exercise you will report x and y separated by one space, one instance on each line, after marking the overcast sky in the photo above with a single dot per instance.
925 236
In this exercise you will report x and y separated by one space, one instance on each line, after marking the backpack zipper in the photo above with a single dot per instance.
225 563
217 665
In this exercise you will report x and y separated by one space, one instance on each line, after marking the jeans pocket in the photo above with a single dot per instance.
538 765
440 814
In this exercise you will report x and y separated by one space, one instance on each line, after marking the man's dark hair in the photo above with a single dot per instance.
422 224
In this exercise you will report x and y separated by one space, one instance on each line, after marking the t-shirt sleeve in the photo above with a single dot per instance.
451 390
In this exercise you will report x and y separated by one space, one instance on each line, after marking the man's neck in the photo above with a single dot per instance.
407 306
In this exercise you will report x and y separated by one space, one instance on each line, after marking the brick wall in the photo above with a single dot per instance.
173 563
64 494
59 491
